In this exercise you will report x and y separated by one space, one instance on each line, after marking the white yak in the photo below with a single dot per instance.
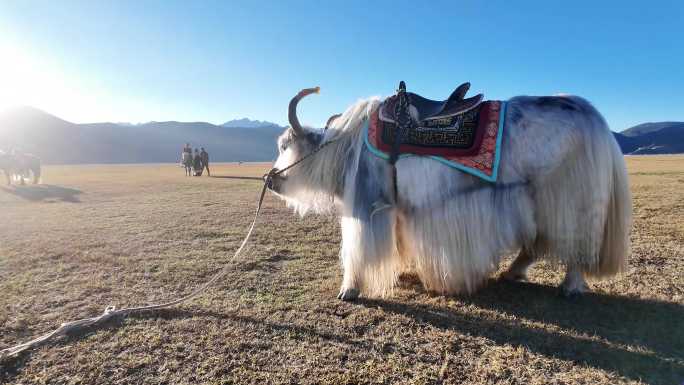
561 195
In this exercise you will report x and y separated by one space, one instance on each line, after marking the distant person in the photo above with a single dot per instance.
204 155
186 159
197 163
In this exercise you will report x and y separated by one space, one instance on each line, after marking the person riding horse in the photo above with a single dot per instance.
21 165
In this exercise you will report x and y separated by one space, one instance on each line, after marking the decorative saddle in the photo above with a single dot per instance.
427 111
464 133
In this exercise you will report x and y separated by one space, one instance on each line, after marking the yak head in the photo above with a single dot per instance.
303 185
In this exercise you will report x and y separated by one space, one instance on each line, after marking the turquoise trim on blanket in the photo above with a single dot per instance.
472 171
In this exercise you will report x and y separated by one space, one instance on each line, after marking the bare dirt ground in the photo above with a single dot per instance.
92 236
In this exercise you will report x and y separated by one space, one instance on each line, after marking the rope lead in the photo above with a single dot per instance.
111 312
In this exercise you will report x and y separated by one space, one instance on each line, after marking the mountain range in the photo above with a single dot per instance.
652 138
247 123
57 141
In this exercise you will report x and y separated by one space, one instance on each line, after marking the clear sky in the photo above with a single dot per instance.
137 61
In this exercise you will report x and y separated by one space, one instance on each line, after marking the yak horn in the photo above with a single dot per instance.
330 119
292 110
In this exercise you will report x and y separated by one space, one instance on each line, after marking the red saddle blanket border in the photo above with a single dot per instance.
482 156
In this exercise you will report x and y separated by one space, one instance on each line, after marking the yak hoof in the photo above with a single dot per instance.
573 288
571 295
512 276
348 294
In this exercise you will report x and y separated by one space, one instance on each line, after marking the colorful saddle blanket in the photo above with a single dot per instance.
470 141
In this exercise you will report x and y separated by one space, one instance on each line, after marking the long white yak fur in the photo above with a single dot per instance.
562 195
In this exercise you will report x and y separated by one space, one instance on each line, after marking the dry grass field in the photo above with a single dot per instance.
91 236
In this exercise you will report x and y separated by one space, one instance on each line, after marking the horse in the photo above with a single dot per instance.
29 167
561 195
20 166
186 161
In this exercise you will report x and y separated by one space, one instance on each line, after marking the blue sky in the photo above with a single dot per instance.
214 61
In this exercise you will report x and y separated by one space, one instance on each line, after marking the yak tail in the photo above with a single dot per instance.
615 247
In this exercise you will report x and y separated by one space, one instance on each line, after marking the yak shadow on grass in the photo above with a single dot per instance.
635 338
299 331
638 339
44 193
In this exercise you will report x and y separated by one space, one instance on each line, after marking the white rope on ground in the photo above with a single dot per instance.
111 312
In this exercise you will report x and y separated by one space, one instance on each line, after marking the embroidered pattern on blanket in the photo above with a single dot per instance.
470 142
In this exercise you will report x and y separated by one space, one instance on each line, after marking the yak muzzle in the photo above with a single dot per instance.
273 180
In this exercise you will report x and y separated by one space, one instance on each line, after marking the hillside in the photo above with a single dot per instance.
652 138
647 128
57 141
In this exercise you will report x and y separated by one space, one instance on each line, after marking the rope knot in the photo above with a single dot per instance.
271 173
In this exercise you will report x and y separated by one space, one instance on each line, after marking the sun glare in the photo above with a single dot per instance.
14 68
30 80
27 81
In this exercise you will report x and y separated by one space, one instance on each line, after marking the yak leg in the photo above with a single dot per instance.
367 254
368 222
351 258
573 285
518 269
